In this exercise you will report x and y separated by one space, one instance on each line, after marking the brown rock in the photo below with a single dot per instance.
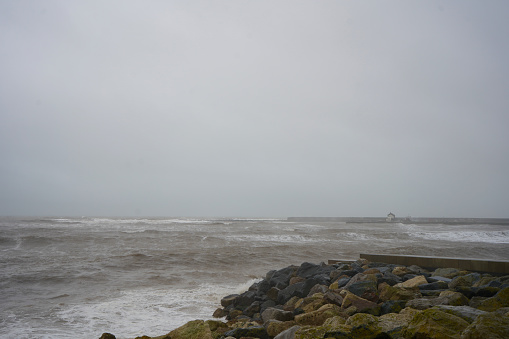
220 312
413 283
294 280
360 304
400 271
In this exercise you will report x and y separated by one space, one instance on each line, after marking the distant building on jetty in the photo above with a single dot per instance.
408 220
390 217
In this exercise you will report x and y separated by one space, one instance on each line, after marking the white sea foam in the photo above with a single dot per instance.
149 312
495 237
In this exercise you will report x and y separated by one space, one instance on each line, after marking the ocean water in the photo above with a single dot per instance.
80 277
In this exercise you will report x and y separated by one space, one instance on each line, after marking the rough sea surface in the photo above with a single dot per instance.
80 277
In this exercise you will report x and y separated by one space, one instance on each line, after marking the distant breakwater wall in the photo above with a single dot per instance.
408 220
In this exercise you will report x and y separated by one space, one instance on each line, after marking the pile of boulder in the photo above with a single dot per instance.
361 299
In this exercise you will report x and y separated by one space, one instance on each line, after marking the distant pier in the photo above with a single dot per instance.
407 220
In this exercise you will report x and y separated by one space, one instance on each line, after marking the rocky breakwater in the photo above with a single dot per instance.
361 300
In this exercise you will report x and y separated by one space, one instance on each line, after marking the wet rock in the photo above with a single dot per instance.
433 323
276 314
281 278
318 289
308 270
437 285
390 279
341 282
263 287
294 280
487 326
487 291
253 309
228 300
290 304
267 304
468 292
107 336
438 278
299 289
245 299
392 306
366 289
272 293
196 329
233 314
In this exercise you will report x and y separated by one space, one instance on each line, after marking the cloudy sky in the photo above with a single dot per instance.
254 108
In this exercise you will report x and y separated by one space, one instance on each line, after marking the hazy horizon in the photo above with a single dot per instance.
268 109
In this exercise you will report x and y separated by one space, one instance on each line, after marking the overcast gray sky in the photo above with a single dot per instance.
254 108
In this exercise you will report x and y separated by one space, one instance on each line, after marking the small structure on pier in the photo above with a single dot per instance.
390 217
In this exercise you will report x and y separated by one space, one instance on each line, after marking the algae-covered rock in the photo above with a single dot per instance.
318 317
488 326
392 321
446 272
274 327
196 329
453 298
319 332
363 319
433 323
388 292
465 312
254 331
288 334
360 304
217 328
501 299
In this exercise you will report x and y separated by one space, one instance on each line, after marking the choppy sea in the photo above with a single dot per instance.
80 277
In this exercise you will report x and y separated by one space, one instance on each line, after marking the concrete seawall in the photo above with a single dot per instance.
478 265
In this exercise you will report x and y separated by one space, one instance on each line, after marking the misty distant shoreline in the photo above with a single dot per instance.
406 220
